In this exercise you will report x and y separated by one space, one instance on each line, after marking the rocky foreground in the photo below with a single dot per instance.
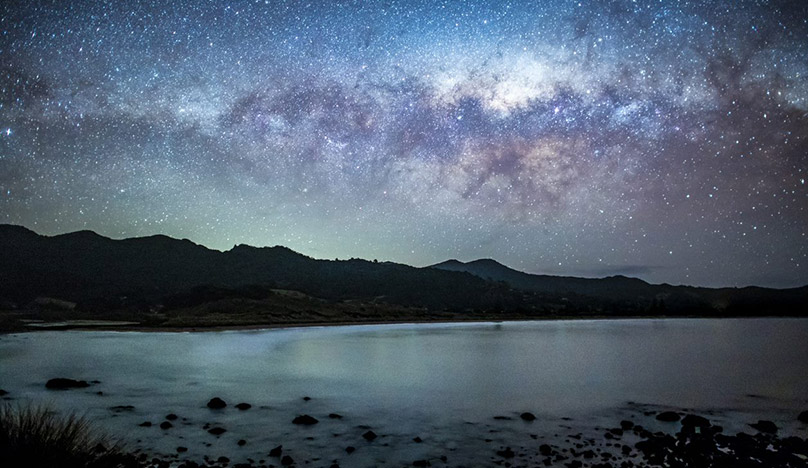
692 442
680 439
689 441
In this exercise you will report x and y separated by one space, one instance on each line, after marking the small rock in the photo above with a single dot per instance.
306 398
276 452
64 384
3 392
668 416
369 436
350 449
626 450
421 463
182 449
122 408
166 425
216 403
145 424
527 416
242 443
305 420
243 406
417 440
334 416
507 453
803 417
171 417
217 431
626 425
765 426
223 460
287 460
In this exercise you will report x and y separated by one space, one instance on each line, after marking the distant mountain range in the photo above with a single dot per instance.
99 273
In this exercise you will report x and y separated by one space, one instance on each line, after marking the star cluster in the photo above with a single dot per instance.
661 139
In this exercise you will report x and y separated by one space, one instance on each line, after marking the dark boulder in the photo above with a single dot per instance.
417 440
693 420
3 392
64 384
305 420
350 449
668 416
276 452
334 416
216 403
803 417
166 425
369 436
692 424
145 424
287 460
243 406
527 416
767 427
182 449
217 431
242 443
171 417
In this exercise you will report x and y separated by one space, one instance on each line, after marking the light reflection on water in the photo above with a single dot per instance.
407 380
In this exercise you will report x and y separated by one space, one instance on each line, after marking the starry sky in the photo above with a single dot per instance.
666 140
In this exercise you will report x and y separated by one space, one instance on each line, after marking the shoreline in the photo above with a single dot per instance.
128 327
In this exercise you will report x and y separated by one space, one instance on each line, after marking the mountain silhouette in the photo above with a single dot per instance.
661 298
87 268
614 286
100 273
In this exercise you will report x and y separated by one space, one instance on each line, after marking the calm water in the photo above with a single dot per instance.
443 382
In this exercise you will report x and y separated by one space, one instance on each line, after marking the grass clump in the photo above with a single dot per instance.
37 436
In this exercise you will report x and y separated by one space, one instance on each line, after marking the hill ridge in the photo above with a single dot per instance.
96 272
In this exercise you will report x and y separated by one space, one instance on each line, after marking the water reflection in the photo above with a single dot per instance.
404 378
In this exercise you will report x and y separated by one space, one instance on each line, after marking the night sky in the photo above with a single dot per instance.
659 139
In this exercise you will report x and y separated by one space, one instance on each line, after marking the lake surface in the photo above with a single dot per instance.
441 382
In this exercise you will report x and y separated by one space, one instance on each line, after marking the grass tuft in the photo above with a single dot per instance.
37 436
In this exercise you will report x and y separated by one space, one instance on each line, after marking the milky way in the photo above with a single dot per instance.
664 140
